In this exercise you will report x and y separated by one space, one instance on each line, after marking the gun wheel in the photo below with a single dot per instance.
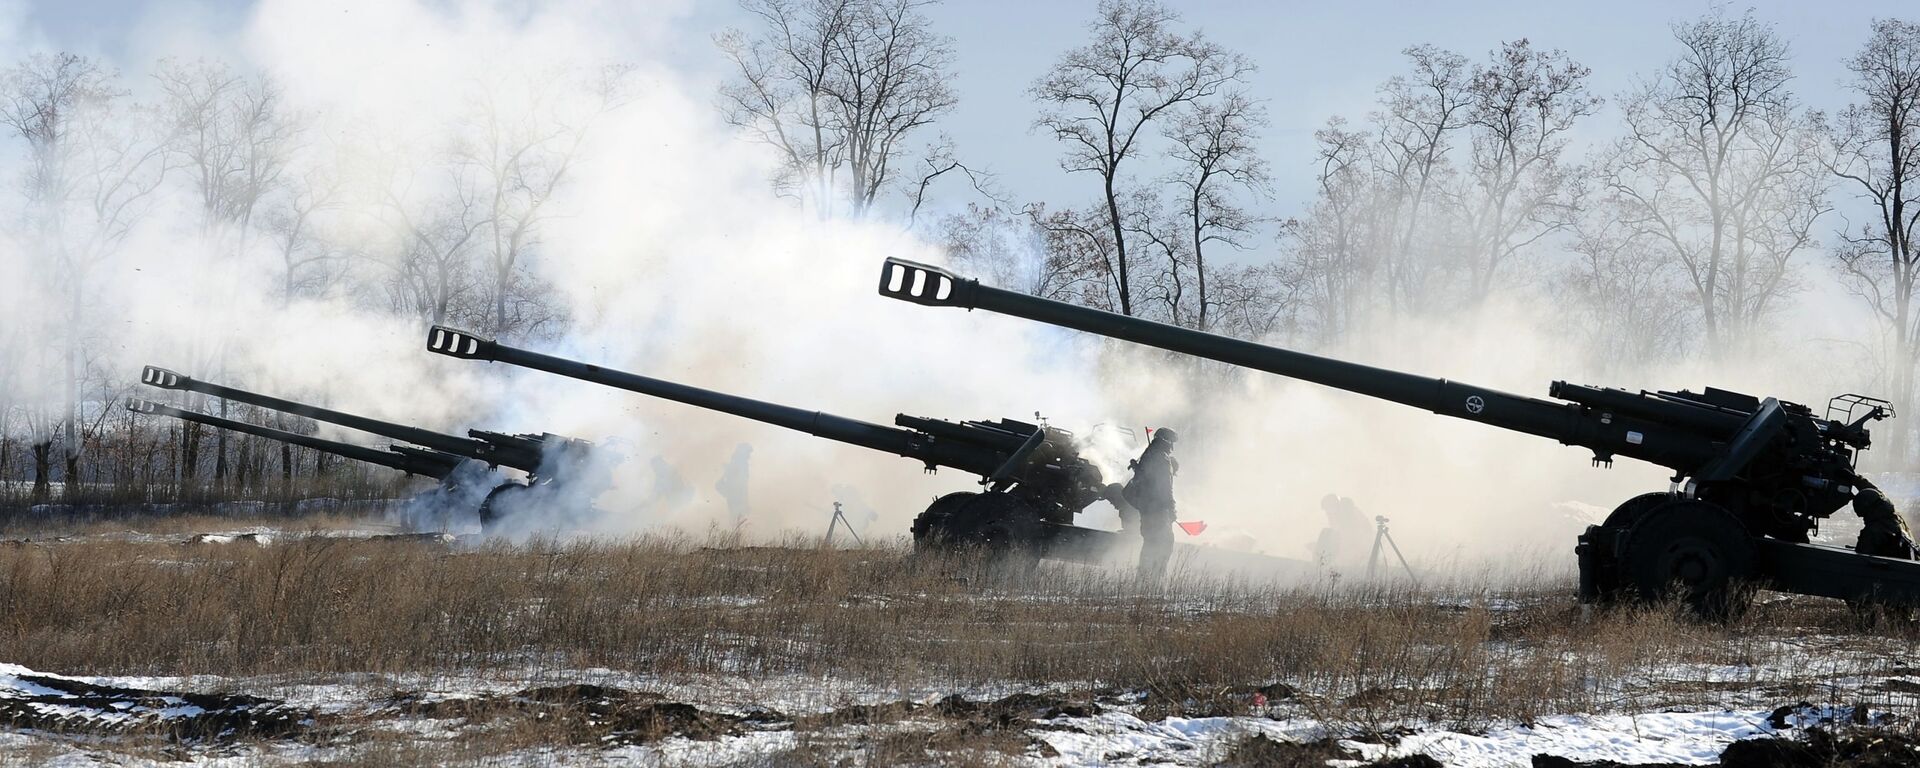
932 530
1001 527
1606 583
1629 512
500 502
1690 551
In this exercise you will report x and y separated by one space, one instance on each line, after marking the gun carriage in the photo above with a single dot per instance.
551 462
1752 476
1032 477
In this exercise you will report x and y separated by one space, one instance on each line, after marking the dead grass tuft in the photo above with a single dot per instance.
1368 659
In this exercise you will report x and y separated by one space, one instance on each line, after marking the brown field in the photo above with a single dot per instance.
675 613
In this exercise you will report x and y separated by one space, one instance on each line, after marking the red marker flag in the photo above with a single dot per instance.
1192 528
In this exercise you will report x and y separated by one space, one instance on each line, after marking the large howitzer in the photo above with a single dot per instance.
546 458
1752 476
425 462
1033 478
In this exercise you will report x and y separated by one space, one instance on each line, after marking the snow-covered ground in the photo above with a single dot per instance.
76 721
254 534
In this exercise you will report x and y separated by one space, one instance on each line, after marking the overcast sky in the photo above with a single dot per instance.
1316 59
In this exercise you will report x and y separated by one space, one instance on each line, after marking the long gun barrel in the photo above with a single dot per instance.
913 442
522 455
1759 473
426 463
933 286
1033 478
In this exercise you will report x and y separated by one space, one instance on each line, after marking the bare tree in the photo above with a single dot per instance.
1080 256
1626 292
307 258
1401 223
1214 143
1420 113
1008 249
10 390
779 94
892 80
1876 154
1102 96
521 147
1258 301
1720 166
1164 256
42 95
837 85
1338 246
232 135
1522 104
436 214
93 162
938 160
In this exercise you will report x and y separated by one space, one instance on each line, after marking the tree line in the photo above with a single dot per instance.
1687 234
441 226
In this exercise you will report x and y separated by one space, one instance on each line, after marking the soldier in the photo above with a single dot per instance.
1882 532
1343 543
1151 492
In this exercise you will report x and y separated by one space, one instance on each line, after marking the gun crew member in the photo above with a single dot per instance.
1883 531
1151 492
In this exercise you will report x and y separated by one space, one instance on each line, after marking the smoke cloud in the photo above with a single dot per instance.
673 259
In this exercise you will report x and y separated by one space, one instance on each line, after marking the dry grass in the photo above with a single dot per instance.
184 524
138 510
27 755
1369 658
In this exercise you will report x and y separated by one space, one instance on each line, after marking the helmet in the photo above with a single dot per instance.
1167 434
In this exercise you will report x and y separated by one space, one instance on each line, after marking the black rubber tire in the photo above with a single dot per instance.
1609 583
1694 552
499 503
1005 529
933 529
1008 530
1630 512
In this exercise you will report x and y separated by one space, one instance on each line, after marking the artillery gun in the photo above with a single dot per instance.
553 463
1033 479
413 461
1752 476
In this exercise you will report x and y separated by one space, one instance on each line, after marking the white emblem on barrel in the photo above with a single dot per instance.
1475 404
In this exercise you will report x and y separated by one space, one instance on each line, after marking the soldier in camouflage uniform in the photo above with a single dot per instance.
1151 492
1883 531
